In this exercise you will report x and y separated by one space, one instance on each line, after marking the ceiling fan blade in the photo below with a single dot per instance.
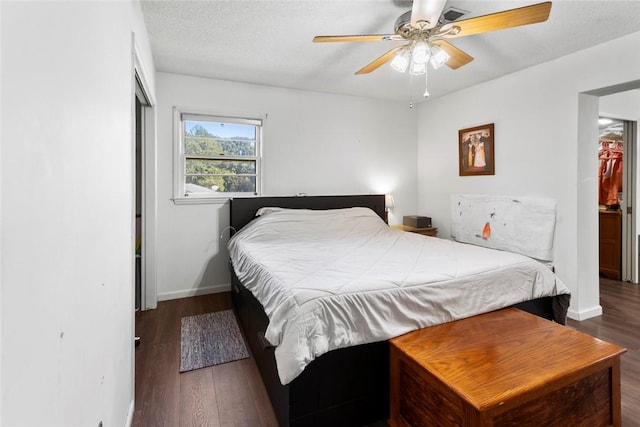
356 38
427 10
501 20
458 57
380 61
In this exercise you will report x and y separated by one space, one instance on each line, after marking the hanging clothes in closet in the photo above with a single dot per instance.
610 172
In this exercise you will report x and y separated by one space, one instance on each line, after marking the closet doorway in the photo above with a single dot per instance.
610 200
144 188
140 101
616 184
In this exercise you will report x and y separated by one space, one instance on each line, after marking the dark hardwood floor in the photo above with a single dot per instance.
620 324
232 394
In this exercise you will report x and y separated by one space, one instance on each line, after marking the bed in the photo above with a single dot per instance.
344 379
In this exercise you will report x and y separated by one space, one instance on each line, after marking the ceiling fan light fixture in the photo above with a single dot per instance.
401 61
420 54
417 69
439 56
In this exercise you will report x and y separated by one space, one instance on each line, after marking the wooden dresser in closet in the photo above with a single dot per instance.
611 244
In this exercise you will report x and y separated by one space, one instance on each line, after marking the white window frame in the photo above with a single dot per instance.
179 175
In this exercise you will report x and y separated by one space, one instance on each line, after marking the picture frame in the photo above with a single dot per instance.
476 150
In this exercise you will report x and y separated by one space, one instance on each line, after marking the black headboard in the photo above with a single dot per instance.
243 210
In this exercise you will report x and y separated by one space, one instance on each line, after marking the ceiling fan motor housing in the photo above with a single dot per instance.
403 24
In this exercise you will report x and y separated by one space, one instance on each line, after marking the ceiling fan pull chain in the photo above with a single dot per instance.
410 90
426 83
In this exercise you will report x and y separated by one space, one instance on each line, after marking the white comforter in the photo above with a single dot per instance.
338 278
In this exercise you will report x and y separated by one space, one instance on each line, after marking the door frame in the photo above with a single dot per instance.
148 274
629 173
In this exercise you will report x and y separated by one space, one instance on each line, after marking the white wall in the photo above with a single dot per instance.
314 143
622 105
67 212
536 116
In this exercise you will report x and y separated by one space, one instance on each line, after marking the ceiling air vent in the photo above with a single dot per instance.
453 14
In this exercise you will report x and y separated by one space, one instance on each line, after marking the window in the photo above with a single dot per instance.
218 157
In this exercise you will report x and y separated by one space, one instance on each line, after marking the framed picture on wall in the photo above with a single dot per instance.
476 151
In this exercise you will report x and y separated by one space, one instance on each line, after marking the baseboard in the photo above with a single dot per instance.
585 314
130 414
194 292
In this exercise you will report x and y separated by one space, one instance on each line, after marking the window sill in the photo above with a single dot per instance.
200 200
218 200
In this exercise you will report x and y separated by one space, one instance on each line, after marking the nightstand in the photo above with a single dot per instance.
428 231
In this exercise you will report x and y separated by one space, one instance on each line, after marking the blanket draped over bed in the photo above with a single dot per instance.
338 278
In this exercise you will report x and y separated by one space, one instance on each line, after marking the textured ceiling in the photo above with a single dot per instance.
269 42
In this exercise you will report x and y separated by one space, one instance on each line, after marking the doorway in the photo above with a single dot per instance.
618 112
145 197
139 188
621 104
611 202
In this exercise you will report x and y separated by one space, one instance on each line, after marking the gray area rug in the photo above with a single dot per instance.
211 339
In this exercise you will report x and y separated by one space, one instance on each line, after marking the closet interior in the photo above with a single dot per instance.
610 179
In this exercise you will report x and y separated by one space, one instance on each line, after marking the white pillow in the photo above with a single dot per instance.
268 209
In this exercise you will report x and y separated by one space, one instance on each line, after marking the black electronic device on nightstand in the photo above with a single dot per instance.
416 221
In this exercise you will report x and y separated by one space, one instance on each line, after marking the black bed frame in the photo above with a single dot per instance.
346 387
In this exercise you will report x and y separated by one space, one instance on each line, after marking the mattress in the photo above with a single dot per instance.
329 279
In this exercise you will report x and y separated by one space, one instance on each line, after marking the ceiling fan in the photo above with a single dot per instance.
427 39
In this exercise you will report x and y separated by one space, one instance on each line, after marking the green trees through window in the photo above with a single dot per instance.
220 157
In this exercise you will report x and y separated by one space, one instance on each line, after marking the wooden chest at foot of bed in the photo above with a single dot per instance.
505 368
